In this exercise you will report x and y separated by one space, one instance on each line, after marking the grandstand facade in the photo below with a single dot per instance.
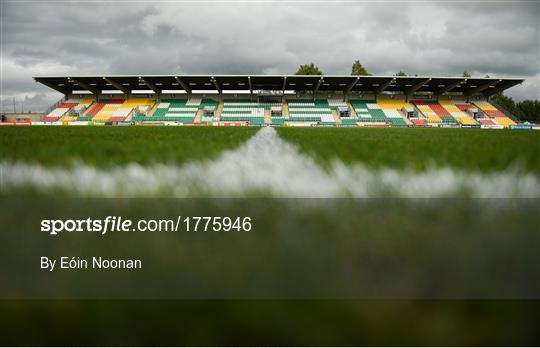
369 101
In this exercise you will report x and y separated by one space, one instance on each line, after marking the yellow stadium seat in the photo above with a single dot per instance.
504 121
397 104
445 102
466 120
67 118
109 109
485 106
87 101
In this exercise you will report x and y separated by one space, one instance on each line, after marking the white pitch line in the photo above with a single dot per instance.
263 166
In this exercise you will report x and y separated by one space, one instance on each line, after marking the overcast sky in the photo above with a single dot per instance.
499 38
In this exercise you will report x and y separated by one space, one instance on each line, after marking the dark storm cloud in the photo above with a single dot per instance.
122 37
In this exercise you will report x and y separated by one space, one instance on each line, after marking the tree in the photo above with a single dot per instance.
529 110
526 110
506 102
308 69
466 74
401 73
358 69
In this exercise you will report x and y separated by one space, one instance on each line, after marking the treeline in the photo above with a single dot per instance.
526 110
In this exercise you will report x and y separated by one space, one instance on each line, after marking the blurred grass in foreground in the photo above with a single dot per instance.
270 322
467 149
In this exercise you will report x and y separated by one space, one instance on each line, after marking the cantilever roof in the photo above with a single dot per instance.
344 83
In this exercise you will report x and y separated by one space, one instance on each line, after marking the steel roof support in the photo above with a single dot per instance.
183 85
150 85
480 88
316 89
118 86
415 88
216 84
349 87
497 89
85 86
450 87
384 86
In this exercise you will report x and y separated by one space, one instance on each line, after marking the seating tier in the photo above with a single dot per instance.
433 111
309 110
494 114
457 113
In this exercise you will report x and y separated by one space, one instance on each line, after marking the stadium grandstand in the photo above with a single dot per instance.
287 100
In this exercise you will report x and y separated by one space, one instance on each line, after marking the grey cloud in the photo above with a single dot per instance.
446 38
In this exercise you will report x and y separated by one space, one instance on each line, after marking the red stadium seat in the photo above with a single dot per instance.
50 119
95 109
419 122
464 107
67 105
440 111
117 119
485 121
494 113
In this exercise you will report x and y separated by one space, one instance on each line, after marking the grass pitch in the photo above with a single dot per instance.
467 149
105 146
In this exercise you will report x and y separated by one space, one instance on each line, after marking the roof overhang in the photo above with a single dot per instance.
302 83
